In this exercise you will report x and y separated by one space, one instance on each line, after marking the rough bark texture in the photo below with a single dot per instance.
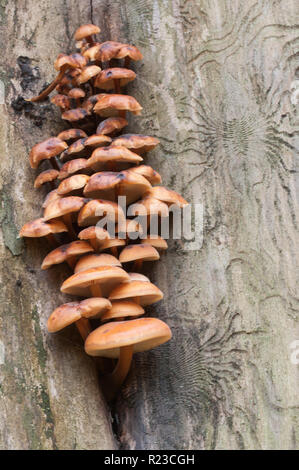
217 86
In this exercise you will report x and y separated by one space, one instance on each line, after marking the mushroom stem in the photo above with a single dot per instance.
113 381
122 113
96 290
137 265
67 219
114 251
84 327
127 62
52 240
43 95
54 164
117 85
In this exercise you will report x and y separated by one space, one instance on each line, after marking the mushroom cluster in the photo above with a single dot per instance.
88 166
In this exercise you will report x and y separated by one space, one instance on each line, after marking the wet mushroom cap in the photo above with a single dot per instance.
148 172
63 206
137 142
95 261
94 233
45 177
144 252
103 156
88 73
108 50
127 50
111 243
138 277
168 195
111 125
76 93
105 80
106 276
51 196
73 166
91 53
94 210
146 292
73 115
70 61
143 333
66 314
85 31
64 252
72 183
121 309
156 241
72 134
62 101
45 150
149 206
41 228
97 140
109 105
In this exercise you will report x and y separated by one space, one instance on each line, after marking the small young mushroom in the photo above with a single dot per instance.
87 73
41 228
137 142
73 115
62 101
46 150
86 31
67 253
129 52
139 254
122 339
114 78
144 293
105 157
121 310
114 105
111 125
77 94
97 281
95 236
72 135
156 241
47 176
78 313
96 260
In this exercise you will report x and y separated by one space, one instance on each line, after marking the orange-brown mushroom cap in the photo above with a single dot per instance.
146 292
94 233
127 50
45 150
143 333
45 177
156 241
85 31
87 73
144 252
168 196
41 228
65 252
108 50
105 80
111 125
71 184
137 142
122 309
94 210
148 172
71 312
106 276
63 206
62 101
51 196
104 156
96 260
109 105
73 115
64 61
72 134
76 93
72 167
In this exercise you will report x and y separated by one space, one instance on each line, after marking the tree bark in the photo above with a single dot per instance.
218 88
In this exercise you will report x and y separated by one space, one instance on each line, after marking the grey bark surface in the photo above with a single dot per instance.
217 86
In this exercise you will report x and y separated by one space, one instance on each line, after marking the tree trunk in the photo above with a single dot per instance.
218 88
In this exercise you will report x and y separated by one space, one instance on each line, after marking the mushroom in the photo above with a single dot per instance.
122 339
73 115
73 186
148 172
84 147
72 134
168 196
51 196
139 254
136 142
95 281
108 50
77 94
72 167
78 313
121 310
62 101
156 241
96 209
62 63
46 150
128 52
95 260
42 228
95 236
64 208
47 176
111 125
104 157
86 31
114 78
144 293
114 104
66 253
88 73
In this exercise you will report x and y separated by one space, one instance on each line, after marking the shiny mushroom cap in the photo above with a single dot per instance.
106 276
94 233
168 196
146 292
108 50
63 206
105 80
73 115
110 105
92 52
111 125
138 277
76 93
142 333
140 252
137 142
96 209
65 252
148 172
149 206
122 309
51 196
62 101
72 134
40 228
95 261
104 156
127 50
72 184
156 241
45 150
88 73
64 61
45 177
72 167
85 31
71 312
